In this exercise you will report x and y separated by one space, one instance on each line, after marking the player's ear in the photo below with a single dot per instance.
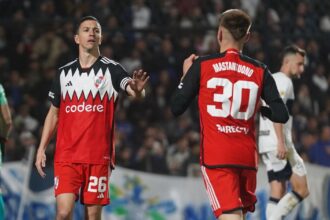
219 35
101 38
76 38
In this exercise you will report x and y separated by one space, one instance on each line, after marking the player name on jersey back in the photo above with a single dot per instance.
239 68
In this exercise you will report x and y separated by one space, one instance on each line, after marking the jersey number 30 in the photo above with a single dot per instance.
235 92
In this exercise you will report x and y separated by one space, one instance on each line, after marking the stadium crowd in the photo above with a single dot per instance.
36 37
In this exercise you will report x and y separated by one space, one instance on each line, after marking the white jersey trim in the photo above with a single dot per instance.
68 64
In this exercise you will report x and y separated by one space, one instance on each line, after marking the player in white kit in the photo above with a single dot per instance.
276 146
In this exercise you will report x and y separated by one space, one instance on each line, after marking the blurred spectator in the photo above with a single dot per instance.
319 153
320 85
141 14
304 99
177 157
48 47
24 121
307 141
132 62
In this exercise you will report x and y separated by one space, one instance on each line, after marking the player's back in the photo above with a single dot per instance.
229 92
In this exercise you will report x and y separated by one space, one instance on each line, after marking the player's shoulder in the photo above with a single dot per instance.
282 78
210 57
111 64
69 64
1 88
107 61
252 61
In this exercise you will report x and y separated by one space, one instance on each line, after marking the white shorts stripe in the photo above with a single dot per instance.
210 190
207 190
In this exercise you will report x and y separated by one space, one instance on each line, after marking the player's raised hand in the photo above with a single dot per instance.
187 64
138 82
41 163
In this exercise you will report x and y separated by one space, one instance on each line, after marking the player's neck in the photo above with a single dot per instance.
87 59
231 45
285 71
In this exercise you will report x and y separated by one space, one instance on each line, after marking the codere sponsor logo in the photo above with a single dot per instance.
84 108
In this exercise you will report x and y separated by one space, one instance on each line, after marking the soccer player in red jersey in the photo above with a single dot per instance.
229 86
83 98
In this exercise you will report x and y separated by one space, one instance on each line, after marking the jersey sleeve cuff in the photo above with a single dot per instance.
124 83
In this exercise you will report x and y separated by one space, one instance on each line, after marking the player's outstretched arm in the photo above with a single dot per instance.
50 126
136 86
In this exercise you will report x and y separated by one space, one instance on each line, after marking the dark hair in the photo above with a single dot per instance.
293 49
236 21
86 18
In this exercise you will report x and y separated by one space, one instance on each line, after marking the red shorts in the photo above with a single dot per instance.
91 181
230 189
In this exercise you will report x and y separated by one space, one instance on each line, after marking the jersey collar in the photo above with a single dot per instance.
232 50
86 70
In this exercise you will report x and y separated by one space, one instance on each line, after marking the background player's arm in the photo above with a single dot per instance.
48 131
286 91
5 112
281 147
277 111
5 115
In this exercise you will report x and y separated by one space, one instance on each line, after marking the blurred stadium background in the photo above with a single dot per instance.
36 37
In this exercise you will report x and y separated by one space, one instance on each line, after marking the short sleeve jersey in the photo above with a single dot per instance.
229 86
86 100
267 135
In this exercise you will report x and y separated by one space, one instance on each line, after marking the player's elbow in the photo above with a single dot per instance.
280 115
279 112
177 106
283 117
176 111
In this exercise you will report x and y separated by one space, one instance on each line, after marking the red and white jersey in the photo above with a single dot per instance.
229 86
86 100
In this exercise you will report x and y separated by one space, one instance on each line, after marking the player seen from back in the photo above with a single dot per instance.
229 86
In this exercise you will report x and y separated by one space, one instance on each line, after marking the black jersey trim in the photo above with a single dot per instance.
228 166
231 210
124 83
106 60
254 62
212 56
88 69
